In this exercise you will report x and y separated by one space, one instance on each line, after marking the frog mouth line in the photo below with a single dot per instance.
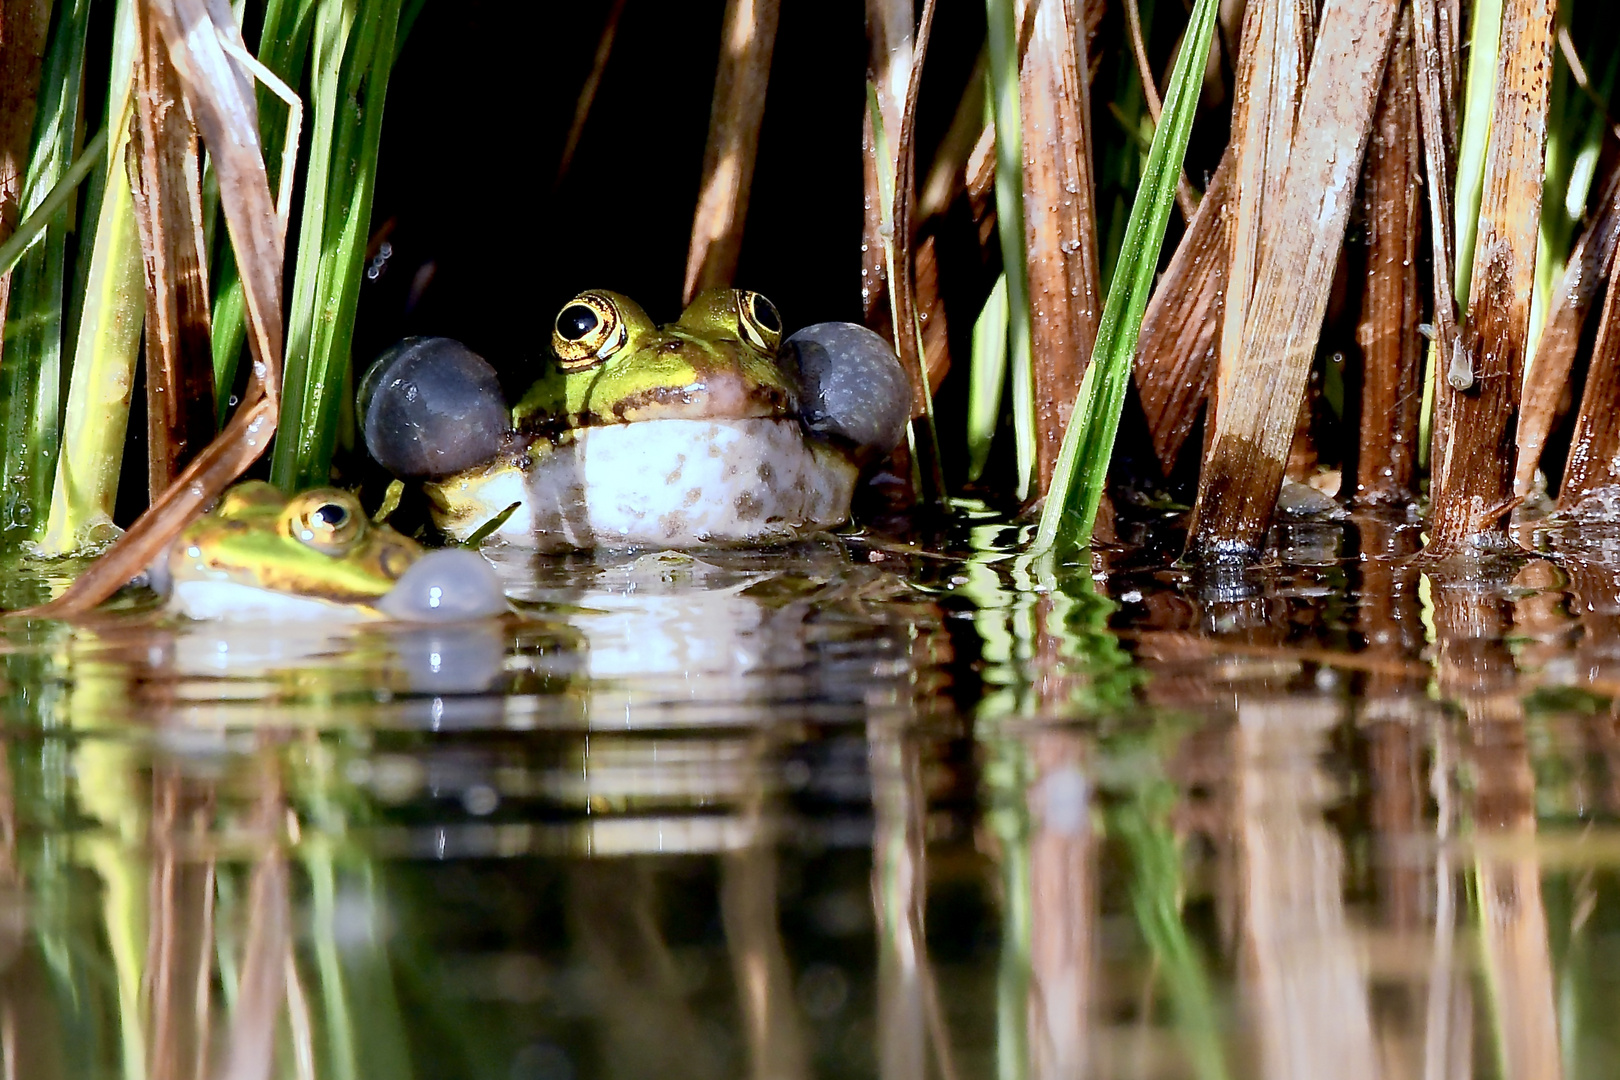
713 399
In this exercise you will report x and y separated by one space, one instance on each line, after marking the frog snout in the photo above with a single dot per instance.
431 407
851 386
446 586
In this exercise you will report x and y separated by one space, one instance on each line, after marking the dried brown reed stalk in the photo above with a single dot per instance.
166 180
899 251
1546 381
1255 419
1176 352
1472 480
1391 349
587 91
1272 66
1596 443
209 59
747 38
1435 52
1060 220
23 28
891 38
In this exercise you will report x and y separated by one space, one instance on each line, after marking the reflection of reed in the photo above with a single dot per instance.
1062 908
179 961
1310 993
647 1026
1475 667
908 1005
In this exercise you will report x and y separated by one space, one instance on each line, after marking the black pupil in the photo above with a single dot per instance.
576 321
765 314
331 515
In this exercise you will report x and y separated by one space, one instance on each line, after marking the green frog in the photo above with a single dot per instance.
712 429
261 556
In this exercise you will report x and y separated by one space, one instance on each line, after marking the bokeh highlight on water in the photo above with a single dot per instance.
854 808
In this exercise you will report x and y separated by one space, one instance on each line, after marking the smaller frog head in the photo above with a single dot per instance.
614 365
260 554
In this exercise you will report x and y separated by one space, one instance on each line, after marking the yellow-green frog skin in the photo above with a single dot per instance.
261 553
659 436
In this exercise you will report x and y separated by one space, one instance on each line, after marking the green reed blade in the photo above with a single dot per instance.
1002 34
354 49
487 529
1088 444
31 375
987 373
1484 39
284 43
108 341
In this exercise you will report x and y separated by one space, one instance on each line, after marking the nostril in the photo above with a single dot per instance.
444 586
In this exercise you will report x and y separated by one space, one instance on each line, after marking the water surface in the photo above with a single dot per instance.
850 809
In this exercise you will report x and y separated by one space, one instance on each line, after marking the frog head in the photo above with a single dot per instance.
261 554
614 365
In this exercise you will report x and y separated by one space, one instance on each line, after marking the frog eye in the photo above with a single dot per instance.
589 329
760 321
327 521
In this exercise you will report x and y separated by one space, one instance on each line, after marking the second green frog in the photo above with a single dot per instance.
711 429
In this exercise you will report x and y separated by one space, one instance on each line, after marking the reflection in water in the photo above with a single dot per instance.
839 811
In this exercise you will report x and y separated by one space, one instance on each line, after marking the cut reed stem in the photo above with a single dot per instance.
1255 419
1475 419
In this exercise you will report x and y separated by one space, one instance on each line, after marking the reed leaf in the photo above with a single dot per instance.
987 374
284 42
108 340
1077 489
31 372
354 54
1002 46
1484 39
